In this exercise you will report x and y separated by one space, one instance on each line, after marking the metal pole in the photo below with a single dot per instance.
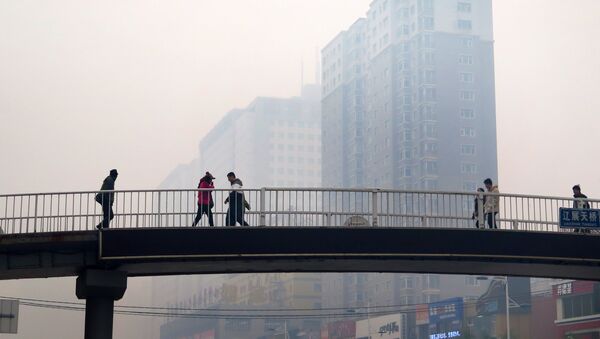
507 308
263 218
369 317
35 213
480 211
375 208
159 217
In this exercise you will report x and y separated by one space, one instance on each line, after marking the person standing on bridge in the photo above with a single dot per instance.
475 215
491 207
106 199
205 200
580 202
237 202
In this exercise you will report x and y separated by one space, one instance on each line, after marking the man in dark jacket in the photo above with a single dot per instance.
475 215
581 203
106 199
237 202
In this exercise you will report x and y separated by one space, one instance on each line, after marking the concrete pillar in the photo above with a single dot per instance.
100 289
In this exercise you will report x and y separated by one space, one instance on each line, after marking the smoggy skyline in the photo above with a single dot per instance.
135 85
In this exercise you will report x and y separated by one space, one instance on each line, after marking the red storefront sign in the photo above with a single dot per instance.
573 287
422 314
341 330
205 335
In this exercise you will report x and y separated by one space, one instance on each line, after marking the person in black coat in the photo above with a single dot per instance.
106 199
475 215
237 202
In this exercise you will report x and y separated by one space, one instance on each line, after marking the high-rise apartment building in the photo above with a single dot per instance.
408 103
273 142
408 97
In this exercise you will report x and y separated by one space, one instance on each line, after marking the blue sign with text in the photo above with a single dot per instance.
579 218
450 309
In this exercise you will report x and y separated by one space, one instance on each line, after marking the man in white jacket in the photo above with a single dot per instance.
492 203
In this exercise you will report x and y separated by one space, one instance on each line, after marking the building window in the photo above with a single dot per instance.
406 282
431 282
429 184
429 131
465 24
427 113
428 23
428 4
466 42
466 77
429 94
430 167
431 298
430 148
468 132
427 41
578 306
467 149
317 287
471 281
407 135
428 58
429 77
407 300
464 7
467 114
467 96
468 168
465 60
237 324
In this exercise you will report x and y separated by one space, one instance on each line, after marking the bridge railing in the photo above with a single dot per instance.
77 211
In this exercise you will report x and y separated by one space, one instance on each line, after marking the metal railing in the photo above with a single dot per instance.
79 211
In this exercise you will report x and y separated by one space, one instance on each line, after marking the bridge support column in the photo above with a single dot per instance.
100 289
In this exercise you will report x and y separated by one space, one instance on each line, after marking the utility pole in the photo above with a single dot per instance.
507 308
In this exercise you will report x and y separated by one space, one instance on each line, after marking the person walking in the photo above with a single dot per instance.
107 198
237 202
580 203
491 207
205 200
475 215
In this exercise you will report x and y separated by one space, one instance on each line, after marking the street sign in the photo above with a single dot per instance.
9 316
579 218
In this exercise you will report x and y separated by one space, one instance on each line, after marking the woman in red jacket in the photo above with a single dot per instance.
205 200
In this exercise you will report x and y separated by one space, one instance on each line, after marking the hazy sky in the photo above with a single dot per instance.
87 86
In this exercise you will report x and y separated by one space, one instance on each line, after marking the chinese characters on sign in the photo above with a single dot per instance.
579 218
389 328
564 289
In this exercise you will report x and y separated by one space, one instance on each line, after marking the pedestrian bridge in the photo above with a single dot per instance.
292 230
299 230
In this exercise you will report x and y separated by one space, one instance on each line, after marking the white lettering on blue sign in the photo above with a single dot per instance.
445 335
578 218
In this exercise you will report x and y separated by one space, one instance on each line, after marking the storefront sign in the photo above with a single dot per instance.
445 335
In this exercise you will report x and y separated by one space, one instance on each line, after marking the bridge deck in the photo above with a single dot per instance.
161 251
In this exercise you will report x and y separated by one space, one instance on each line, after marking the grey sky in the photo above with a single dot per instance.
86 86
